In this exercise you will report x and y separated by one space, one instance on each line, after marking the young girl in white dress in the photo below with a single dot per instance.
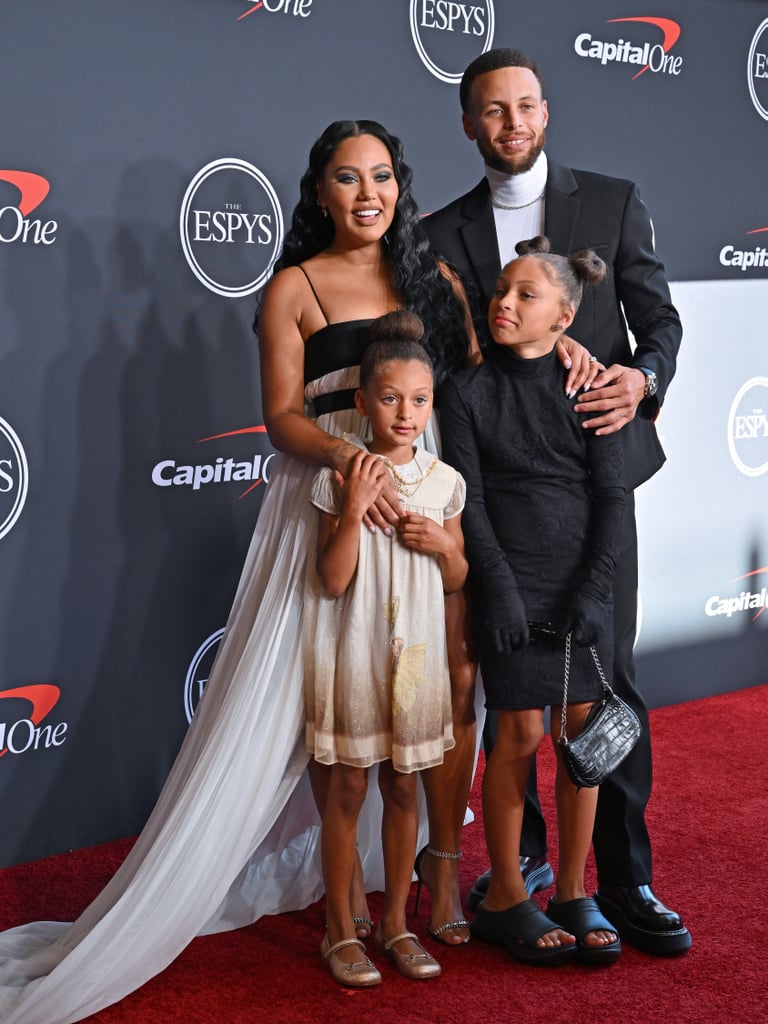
377 686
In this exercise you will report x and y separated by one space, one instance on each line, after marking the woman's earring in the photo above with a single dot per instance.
323 209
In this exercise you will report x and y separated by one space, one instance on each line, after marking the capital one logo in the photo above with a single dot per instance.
743 259
449 34
198 671
653 56
295 8
16 225
748 427
757 70
21 717
250 472
748 600
14 477
231 227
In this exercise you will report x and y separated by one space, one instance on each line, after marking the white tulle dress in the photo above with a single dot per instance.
234 833
376 678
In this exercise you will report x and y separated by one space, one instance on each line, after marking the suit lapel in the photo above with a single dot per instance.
479 234
561 208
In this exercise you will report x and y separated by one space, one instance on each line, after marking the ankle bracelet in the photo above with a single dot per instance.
445 856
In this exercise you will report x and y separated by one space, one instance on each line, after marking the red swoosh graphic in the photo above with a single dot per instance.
248 490
755 572
250 10
233 433
670 30
41 696
33 188
756 231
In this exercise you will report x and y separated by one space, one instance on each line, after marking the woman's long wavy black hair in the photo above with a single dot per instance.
416 276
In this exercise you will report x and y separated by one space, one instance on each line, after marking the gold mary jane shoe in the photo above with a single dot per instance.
358 974
410 965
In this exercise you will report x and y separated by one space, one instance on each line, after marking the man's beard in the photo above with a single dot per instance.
505 165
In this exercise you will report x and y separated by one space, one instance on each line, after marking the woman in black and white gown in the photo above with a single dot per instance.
234 833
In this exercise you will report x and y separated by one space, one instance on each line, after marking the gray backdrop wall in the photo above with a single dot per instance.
150 155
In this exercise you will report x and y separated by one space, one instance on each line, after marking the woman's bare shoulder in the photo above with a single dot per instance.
286 282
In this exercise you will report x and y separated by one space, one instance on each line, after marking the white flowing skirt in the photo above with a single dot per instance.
234 833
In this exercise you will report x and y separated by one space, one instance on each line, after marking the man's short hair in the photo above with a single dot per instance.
494 60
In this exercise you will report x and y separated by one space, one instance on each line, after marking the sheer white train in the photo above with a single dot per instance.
234 833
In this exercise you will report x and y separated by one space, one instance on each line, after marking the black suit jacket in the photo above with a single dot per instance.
586 210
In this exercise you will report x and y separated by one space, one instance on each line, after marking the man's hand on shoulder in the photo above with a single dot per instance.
613 399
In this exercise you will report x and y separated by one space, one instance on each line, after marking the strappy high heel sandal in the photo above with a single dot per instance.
449 926
363 927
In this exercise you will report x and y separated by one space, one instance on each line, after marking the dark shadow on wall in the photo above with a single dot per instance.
32 554
122 580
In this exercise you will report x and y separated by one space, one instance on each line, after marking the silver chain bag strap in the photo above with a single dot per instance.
611 731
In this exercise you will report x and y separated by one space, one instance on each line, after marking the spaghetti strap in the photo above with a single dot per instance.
317 300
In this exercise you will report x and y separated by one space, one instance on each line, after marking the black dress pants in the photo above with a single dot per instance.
621 842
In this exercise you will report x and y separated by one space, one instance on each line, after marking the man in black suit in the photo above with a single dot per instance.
524 194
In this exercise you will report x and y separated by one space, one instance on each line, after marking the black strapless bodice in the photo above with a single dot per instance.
335 347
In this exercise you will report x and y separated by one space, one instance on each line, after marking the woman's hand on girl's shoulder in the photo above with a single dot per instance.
384 512
363 484
583 367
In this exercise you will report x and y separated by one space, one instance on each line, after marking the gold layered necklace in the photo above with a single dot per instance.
405 485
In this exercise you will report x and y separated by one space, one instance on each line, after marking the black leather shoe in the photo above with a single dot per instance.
537 874
642 920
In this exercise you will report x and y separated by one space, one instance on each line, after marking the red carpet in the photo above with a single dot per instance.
707 819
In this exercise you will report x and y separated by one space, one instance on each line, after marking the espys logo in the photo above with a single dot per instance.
15 222
654 57
14 477
297 8
747 601
198 672
255 470
20 719
446 34
748 427
231 227
745 259
757 70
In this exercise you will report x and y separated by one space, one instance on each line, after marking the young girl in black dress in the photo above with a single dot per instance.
545 500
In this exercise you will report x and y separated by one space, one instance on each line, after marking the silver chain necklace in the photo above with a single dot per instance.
501 206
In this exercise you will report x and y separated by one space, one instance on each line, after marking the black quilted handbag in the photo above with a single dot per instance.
611 731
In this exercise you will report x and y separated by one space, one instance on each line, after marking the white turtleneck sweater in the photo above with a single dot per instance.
524 192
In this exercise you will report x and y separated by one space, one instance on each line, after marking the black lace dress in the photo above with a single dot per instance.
545 503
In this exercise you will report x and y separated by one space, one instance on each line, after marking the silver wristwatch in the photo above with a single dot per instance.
651 381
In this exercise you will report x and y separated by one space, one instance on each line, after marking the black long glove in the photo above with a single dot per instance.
506 621
586 616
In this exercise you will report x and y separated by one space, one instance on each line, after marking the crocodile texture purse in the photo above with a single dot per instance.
611 731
